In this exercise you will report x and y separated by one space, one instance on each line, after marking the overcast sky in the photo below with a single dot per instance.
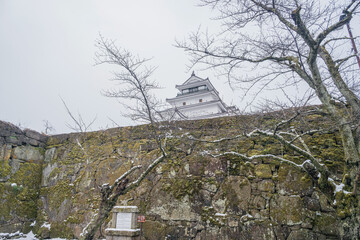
47 51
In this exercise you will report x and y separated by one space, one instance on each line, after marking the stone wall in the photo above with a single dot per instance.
21 157
191 195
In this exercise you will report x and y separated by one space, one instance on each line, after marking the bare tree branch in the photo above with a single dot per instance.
79 123
134 78
289 42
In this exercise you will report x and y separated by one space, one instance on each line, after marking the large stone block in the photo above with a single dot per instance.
326 224
324 203
258 202
287 210
256 230
35 135
5 133
301 234
235 193
292 181
266 186
5 152
15 139
312 203
169 208
263 171
49 155
9 127
28 153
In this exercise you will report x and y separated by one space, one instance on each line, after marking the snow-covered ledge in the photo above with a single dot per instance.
123 225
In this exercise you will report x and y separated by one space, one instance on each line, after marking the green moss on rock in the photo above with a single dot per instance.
293 181
287 210
326 224
263 171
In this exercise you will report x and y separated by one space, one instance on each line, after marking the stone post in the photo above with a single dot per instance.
123 225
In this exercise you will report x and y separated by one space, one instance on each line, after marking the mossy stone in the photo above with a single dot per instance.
155 230
326 224
287 210
266 186
263 171
293 181
301 234
236 192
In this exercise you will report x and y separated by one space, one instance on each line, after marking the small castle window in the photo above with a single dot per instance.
184 103
185 91
200 100
202 87
193 89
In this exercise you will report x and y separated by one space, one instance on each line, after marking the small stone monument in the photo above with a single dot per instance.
123 225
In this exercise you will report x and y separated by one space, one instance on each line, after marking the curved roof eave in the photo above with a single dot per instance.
184 96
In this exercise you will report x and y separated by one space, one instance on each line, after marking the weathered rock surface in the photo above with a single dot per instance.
189 196
20 176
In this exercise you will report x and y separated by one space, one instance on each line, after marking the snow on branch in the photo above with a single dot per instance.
286 121
279 137
215 141
82 149
258 157
292 146
338 187
135 183
122 177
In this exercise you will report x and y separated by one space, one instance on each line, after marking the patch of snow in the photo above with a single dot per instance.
29 236
120 230
21 236
125 207
203 153
33 224
46 225
246 216
8 235
306 161
169 134
220 214
338 187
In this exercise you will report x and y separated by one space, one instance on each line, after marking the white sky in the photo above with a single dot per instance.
47 51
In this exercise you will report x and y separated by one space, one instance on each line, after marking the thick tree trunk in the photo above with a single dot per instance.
108 201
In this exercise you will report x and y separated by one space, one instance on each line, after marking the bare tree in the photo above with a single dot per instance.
78 123
48 128
136 85
285 44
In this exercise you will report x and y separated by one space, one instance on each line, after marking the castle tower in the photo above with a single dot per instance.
198 99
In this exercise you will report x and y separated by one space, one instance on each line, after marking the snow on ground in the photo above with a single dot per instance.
22 236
